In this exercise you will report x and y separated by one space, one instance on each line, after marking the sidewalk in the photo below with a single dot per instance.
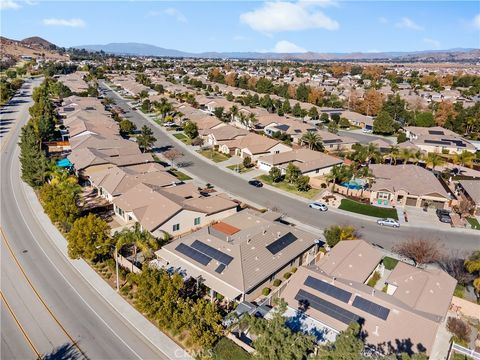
121 306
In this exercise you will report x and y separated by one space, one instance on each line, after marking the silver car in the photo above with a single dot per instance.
318 206
388 222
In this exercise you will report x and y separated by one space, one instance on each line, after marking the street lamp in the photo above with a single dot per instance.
116 261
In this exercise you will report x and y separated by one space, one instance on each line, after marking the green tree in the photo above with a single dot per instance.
33 160
303 183
292 173
313 113
247 162
146 105
218 112
191 129
137 239
348 345
336 233
465 158
297 110
146 139
286 107
383 124
332 127
312 140
275 174
401 137
324 118
424 119
344 123
127 127
433 160
302 92
89 238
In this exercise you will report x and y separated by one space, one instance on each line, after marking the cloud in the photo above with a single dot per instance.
383 20
321 3
285 16
64 22
407 23
432 42
9 5
476 21
176 14
285 46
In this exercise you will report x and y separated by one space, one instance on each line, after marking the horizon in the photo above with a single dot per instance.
319 26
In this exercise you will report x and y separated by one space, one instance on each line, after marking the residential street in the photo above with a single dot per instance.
296 209
56 304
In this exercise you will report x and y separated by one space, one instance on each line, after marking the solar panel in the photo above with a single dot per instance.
328 289
281 243
220 268
371 308
326 307
437 142
332 141
436 132
193 254
212 252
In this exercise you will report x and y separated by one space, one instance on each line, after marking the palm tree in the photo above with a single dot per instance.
138 239
393 153
416 156
465 158
434 160
312 140
405 155
372 152
233 111
252 120
243 119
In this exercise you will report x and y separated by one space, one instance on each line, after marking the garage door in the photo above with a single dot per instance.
437 204
411 201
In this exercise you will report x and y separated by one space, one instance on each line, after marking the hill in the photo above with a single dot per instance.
35 47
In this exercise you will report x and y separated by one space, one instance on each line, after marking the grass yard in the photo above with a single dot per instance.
242 169
369 210
226 349
389 262
183 138
310 194
214 155
179 175
474 223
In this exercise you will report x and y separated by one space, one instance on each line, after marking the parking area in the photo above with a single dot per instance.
418 217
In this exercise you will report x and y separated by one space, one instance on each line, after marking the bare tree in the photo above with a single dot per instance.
454 264
465 207
459 328
421 251
172 155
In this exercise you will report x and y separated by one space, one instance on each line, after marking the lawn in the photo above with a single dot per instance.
389 262
474 223
183 138
369 210
310 194
180 175
242 169
226 349
214 155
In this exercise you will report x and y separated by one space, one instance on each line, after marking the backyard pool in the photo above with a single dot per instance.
356 184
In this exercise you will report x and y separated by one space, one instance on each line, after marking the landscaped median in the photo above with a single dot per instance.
369 210
292 188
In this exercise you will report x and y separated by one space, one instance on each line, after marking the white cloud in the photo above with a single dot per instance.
285 16
432 42
383 20
321 3
285 46
64 22
176 14
407 23
9 4
476 21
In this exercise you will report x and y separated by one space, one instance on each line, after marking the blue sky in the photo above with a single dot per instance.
196 26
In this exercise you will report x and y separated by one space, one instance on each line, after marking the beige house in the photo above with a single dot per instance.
241 254
174 210
471 191
334 293
437 140
311 163
253 146
333 142
220 135
406 185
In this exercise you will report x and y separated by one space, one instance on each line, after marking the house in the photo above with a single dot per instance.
215 137
311 163
74 81
239 255
407 185
333 142
357 119
174 211
273 123
437 140
334 293
470 189
253 146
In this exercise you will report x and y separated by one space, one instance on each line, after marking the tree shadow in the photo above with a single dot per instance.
66 351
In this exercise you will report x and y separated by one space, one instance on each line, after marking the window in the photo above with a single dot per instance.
196 221
176 227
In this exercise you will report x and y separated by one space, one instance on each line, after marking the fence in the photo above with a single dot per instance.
455 348
127 264
361 194
466 308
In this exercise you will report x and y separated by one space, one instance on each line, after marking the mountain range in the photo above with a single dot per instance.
139 49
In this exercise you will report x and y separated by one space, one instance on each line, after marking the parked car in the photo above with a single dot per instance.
256 183
367 131
388 222
169 124
318 206
444 216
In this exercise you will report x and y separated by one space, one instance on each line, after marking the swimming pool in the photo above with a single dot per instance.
353 184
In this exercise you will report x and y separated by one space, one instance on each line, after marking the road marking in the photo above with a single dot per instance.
29 341
74 343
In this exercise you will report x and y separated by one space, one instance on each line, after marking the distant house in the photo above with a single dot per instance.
437 139
406 185
334 293
311 163
333 142
220 135
357 119
241 254
253 146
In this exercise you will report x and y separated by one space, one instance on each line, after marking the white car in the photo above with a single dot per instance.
367 131
388 222
318 206
169 124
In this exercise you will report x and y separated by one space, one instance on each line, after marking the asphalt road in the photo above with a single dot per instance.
56 307
296 209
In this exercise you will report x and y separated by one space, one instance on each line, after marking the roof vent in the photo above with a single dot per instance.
373 292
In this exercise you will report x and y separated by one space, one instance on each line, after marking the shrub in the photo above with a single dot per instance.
459 291
266 291
459 328
389 262
287 275
293 270
219 297
374 279
277 282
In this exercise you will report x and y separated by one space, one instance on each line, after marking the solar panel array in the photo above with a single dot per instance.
220 268
436 132
437 142
327 307
328 289
281 243
193 254
371 308
221 257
